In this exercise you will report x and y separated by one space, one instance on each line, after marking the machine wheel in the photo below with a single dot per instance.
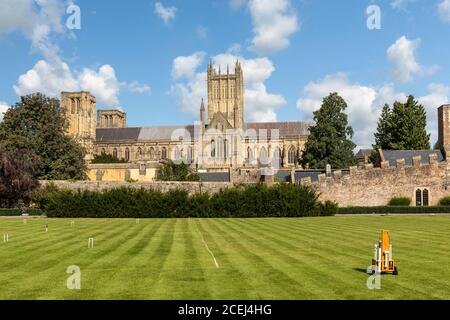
395 273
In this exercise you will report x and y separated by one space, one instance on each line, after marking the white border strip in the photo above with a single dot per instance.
210 252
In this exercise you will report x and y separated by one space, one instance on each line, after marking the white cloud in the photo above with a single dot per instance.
364 103
48 78
273 23
189 93
444 9
137 87
438 94
38 20
165 13
3 108
185 66
53 77
402 55
260 105
103 84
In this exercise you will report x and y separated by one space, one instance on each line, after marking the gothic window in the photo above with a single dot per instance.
139 152
164 153
72 101
177 153
189 157
152 153
292 156
225 149
425 198
213 149
277 157
115 153
127 154
418 198
249 154
219 147
263 155
103 151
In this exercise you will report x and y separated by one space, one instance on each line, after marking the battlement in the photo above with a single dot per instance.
375 186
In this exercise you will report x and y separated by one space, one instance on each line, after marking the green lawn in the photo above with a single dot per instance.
309 258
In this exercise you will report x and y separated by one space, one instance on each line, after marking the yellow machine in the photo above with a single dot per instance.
383 261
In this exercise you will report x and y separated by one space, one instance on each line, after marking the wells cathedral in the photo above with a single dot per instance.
220 142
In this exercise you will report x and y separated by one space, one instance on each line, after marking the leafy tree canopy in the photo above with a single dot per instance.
329 141
107 158
171 171
402 127
37 123
18 176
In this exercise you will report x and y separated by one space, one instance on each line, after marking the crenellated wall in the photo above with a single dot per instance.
371 186
191 187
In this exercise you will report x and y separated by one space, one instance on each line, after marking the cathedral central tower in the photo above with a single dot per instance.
226 95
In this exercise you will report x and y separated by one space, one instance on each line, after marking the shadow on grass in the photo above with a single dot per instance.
361 270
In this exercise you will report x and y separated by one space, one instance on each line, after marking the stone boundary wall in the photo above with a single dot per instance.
371 186
191 187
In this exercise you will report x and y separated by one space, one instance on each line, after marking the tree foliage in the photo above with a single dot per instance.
18 176
402 127
329 141
107 158
171 171
37 123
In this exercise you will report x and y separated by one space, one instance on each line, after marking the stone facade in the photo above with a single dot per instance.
219 141
111 119
191 187
80 110
371 186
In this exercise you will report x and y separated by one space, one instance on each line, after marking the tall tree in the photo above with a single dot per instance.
37 123
171 171
18 176
403 127
383 134
329 141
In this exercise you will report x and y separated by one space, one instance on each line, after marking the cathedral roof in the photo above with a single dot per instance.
288 128
294 128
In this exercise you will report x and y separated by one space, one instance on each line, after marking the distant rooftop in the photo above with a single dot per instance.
393 155
291 128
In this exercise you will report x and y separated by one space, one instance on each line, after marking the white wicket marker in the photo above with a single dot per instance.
91 243
5 237
72 223
138 221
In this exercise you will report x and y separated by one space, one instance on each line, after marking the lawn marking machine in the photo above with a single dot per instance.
383 261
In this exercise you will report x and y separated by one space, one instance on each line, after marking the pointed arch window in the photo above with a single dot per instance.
292 156
115 153
152 153
189 155
213 148
277 156
127 154
164 153
249 154
263 155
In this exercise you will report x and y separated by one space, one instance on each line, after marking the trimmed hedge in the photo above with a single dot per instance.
394 210
282 200
445 201
402 201
18 212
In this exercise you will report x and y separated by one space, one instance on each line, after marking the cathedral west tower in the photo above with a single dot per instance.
226 96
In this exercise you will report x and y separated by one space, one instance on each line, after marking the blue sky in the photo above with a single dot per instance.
149 57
